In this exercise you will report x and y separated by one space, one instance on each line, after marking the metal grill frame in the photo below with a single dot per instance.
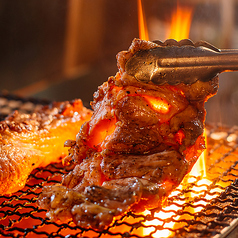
21 217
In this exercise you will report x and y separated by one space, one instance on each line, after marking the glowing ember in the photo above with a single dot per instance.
159 224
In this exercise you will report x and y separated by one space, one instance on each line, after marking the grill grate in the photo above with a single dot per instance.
9 103
197 208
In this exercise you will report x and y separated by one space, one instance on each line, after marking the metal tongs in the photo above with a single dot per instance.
183 61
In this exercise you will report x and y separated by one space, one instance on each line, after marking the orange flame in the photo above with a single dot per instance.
143 32
180 23
199 169
180 27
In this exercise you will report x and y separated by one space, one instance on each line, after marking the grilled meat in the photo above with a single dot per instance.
141 141
28 141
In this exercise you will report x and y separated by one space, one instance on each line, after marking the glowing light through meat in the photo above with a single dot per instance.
158 104
101 133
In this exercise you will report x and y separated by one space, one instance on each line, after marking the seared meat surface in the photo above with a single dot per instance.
28 141
141 141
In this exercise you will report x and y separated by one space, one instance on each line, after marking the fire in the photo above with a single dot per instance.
199 169
143 32
199 185
180 23
162 224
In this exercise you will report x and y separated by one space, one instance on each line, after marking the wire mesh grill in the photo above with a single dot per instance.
199 207
9 103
